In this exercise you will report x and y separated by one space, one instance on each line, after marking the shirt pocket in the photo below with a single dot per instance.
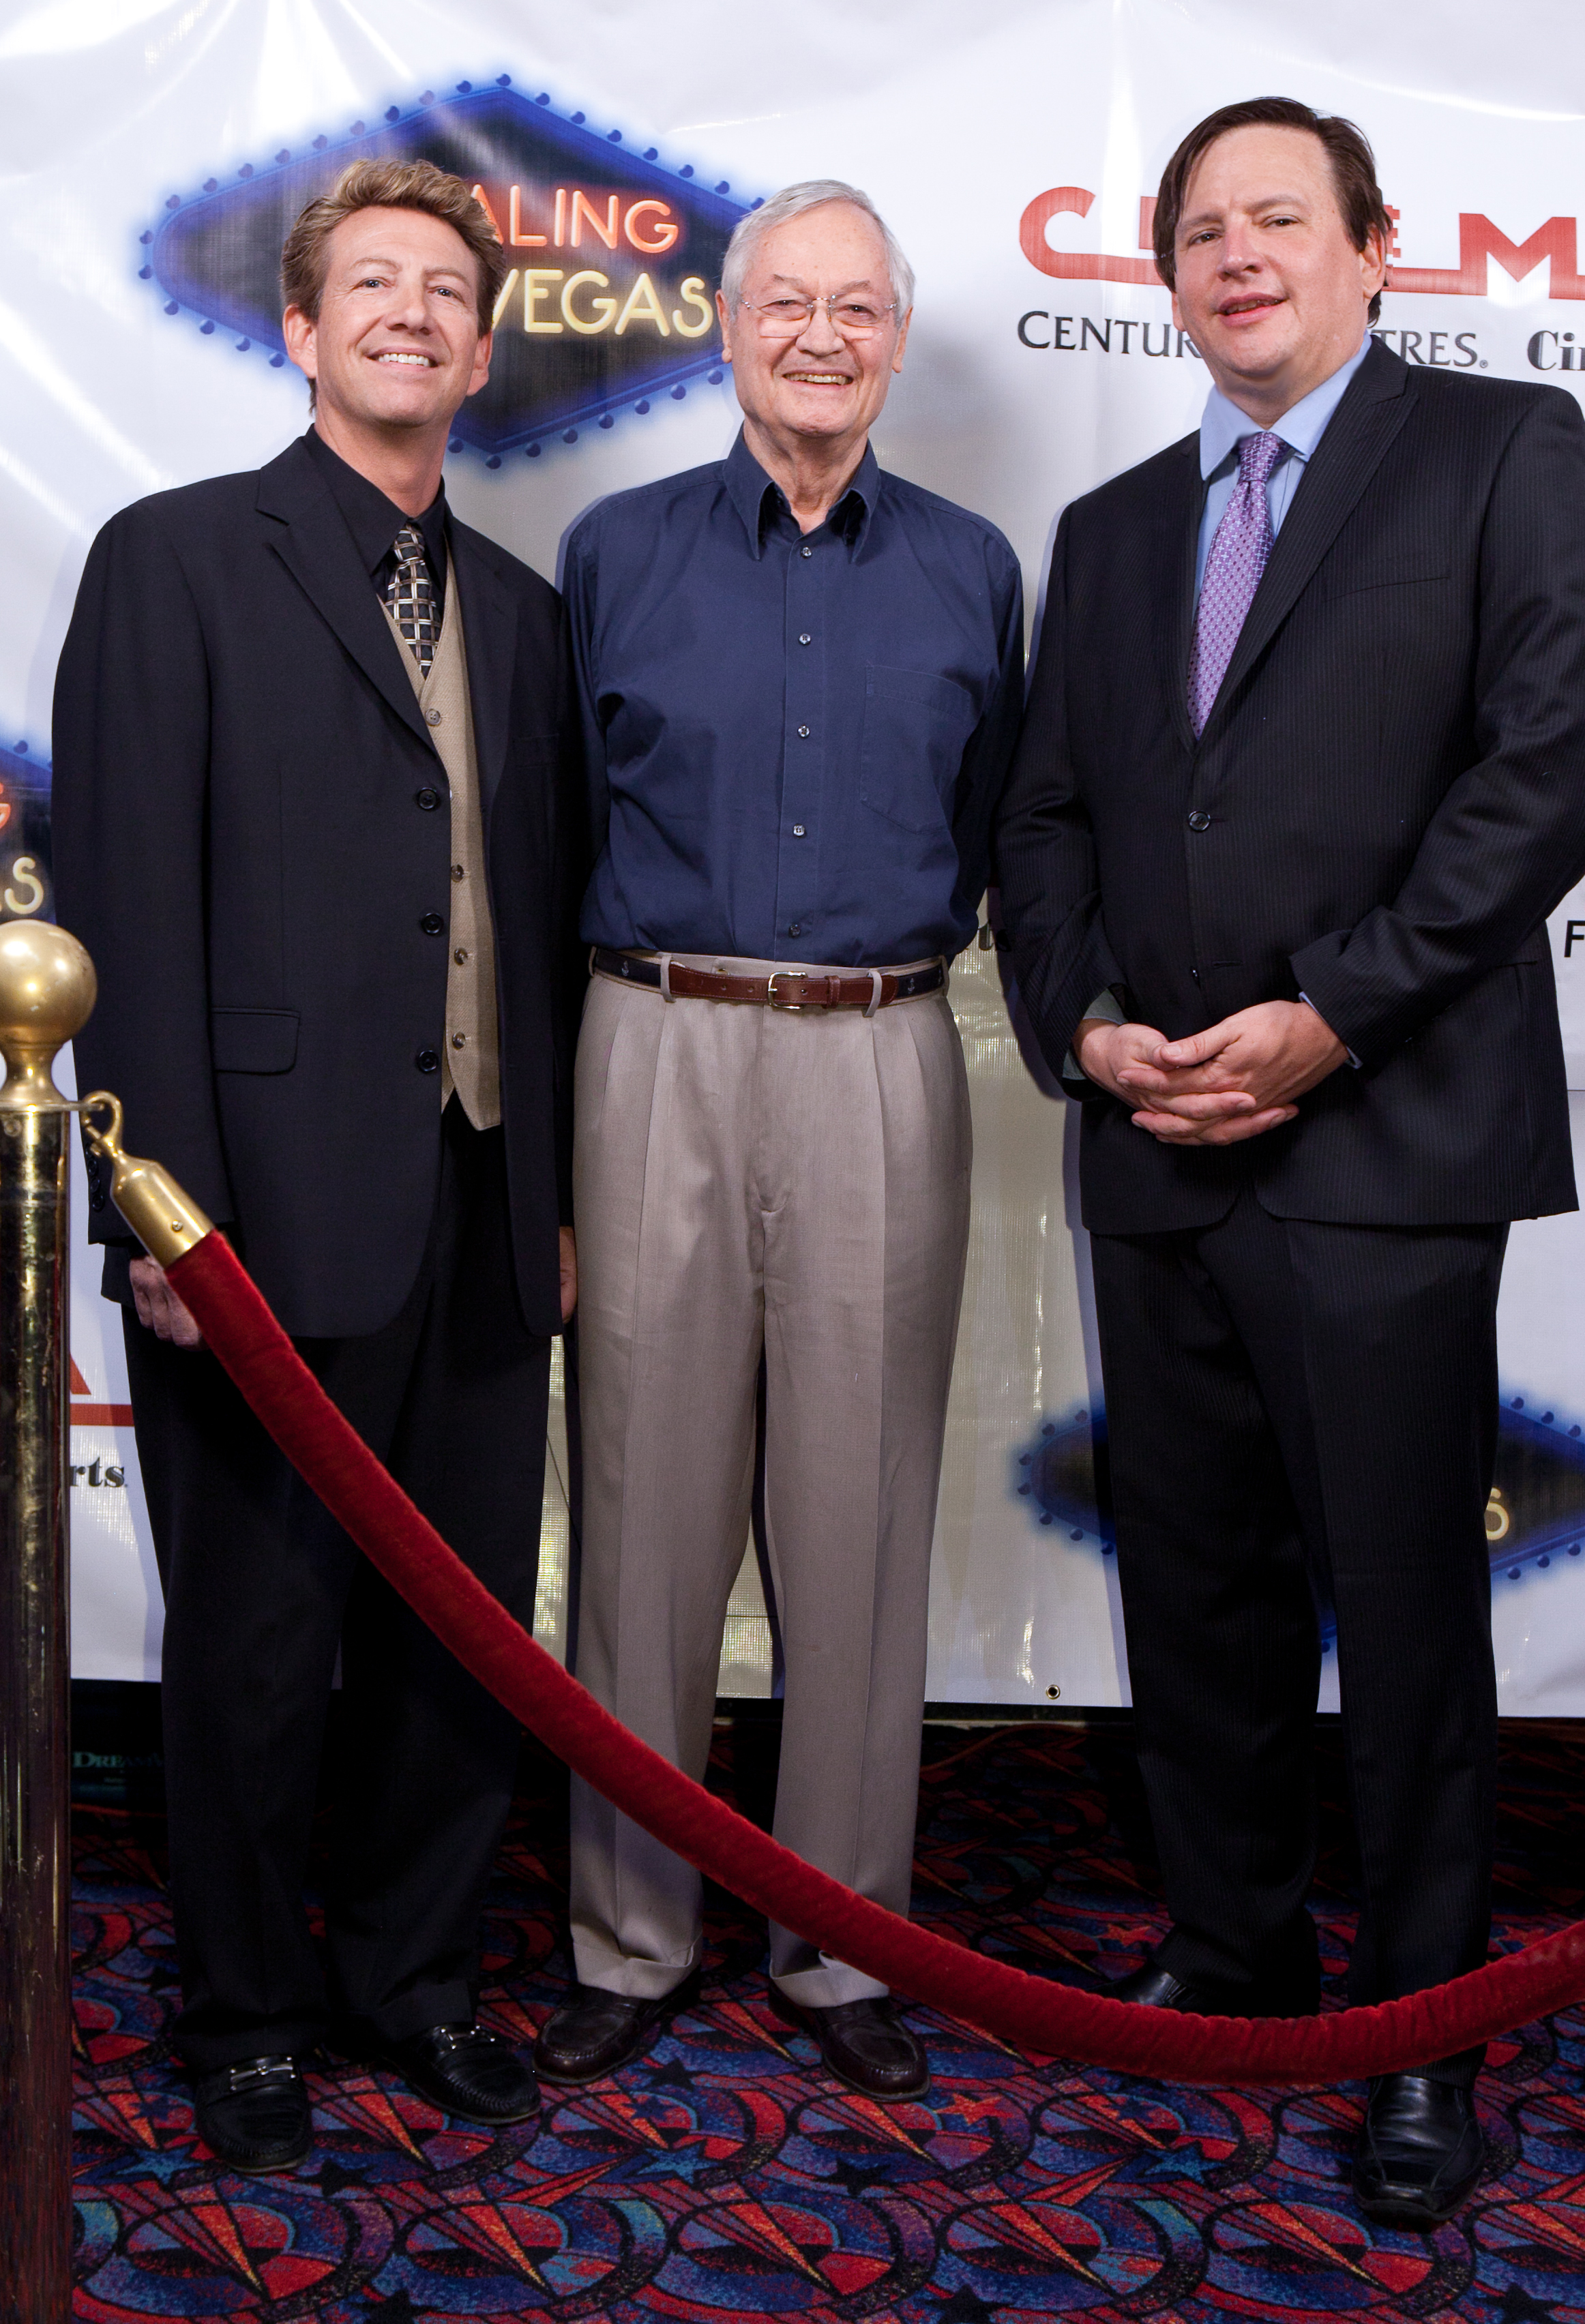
916 726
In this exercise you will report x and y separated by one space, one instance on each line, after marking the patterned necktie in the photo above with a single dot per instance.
411 595
1232 573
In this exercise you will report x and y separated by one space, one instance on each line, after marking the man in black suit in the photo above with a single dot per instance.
314 817
1302 775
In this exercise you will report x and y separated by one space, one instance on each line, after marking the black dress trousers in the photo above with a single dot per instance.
262 1588
1293 1407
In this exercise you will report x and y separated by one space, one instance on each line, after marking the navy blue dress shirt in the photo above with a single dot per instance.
795 741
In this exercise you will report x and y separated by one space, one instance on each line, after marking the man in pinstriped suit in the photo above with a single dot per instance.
1302 775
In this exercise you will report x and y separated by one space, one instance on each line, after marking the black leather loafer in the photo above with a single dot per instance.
1420 2151
464 2071
865 2045
594 2032
254 2117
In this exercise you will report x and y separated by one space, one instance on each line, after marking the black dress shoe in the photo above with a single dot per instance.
594 2032
254 2116
1209 1996
865 2045
464 2071
1420 2151
1158 1988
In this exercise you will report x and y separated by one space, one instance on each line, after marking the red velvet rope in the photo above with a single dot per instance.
1025 2011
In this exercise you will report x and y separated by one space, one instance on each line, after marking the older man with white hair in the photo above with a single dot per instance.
801 680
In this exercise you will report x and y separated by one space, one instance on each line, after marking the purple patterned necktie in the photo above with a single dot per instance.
1232 573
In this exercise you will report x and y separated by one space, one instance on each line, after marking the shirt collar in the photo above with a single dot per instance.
372 518
1223 427
758 500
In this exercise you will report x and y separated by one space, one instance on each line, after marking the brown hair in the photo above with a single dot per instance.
389 186
1348 149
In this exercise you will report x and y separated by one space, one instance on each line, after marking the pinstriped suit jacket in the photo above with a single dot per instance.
1387 799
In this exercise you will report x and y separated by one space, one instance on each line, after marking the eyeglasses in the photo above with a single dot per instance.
783 318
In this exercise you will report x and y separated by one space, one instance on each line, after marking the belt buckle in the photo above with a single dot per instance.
771 981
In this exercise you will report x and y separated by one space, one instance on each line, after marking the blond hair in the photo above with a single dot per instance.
389 186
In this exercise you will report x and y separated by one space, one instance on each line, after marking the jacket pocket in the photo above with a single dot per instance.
254 1040
1402 573
916 727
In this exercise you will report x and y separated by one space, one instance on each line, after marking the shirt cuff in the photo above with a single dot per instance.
1105 1005
1348 1053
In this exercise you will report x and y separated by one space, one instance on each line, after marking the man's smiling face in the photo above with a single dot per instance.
1269 287
396 343
817 383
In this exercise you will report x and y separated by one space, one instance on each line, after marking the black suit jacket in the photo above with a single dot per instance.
251 828
1387 799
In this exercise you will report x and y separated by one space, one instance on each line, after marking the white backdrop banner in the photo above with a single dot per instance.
155 151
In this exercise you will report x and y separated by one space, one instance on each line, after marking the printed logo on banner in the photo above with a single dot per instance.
615 258
1534 1517
1552 251
1554 246
88 1412
24 835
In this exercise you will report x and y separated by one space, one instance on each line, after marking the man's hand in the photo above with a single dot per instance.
1233 1082
569 1273
159 1308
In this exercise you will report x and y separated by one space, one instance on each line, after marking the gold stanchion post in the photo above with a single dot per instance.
47 989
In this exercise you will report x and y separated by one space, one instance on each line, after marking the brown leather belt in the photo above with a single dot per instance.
789 988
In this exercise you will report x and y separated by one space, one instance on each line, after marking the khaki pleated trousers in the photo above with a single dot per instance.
750 1179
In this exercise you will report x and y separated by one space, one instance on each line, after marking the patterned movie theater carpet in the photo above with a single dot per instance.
721 2179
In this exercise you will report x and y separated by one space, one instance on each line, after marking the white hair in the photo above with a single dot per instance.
792 203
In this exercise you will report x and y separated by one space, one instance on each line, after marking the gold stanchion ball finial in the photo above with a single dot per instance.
47 993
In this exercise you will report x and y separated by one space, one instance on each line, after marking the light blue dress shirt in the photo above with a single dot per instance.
1223 428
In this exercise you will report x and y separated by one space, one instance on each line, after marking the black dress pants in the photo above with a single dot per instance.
262 1588
1290 1403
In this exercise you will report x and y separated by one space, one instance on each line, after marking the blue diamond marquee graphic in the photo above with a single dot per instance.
1535 1519
27 890
615 257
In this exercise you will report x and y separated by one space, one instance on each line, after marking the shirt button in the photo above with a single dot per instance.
794 929
1199 820
797 831
426 1062
459 1040
432 924
427 798
433 716
458 872
805 638
806 552
461 956
805 733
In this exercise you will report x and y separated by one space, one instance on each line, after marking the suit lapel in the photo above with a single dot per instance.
316 547
1173 564
1366 421
490 624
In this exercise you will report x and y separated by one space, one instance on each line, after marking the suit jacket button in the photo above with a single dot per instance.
428 800
432 924
426 1062
1199 820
